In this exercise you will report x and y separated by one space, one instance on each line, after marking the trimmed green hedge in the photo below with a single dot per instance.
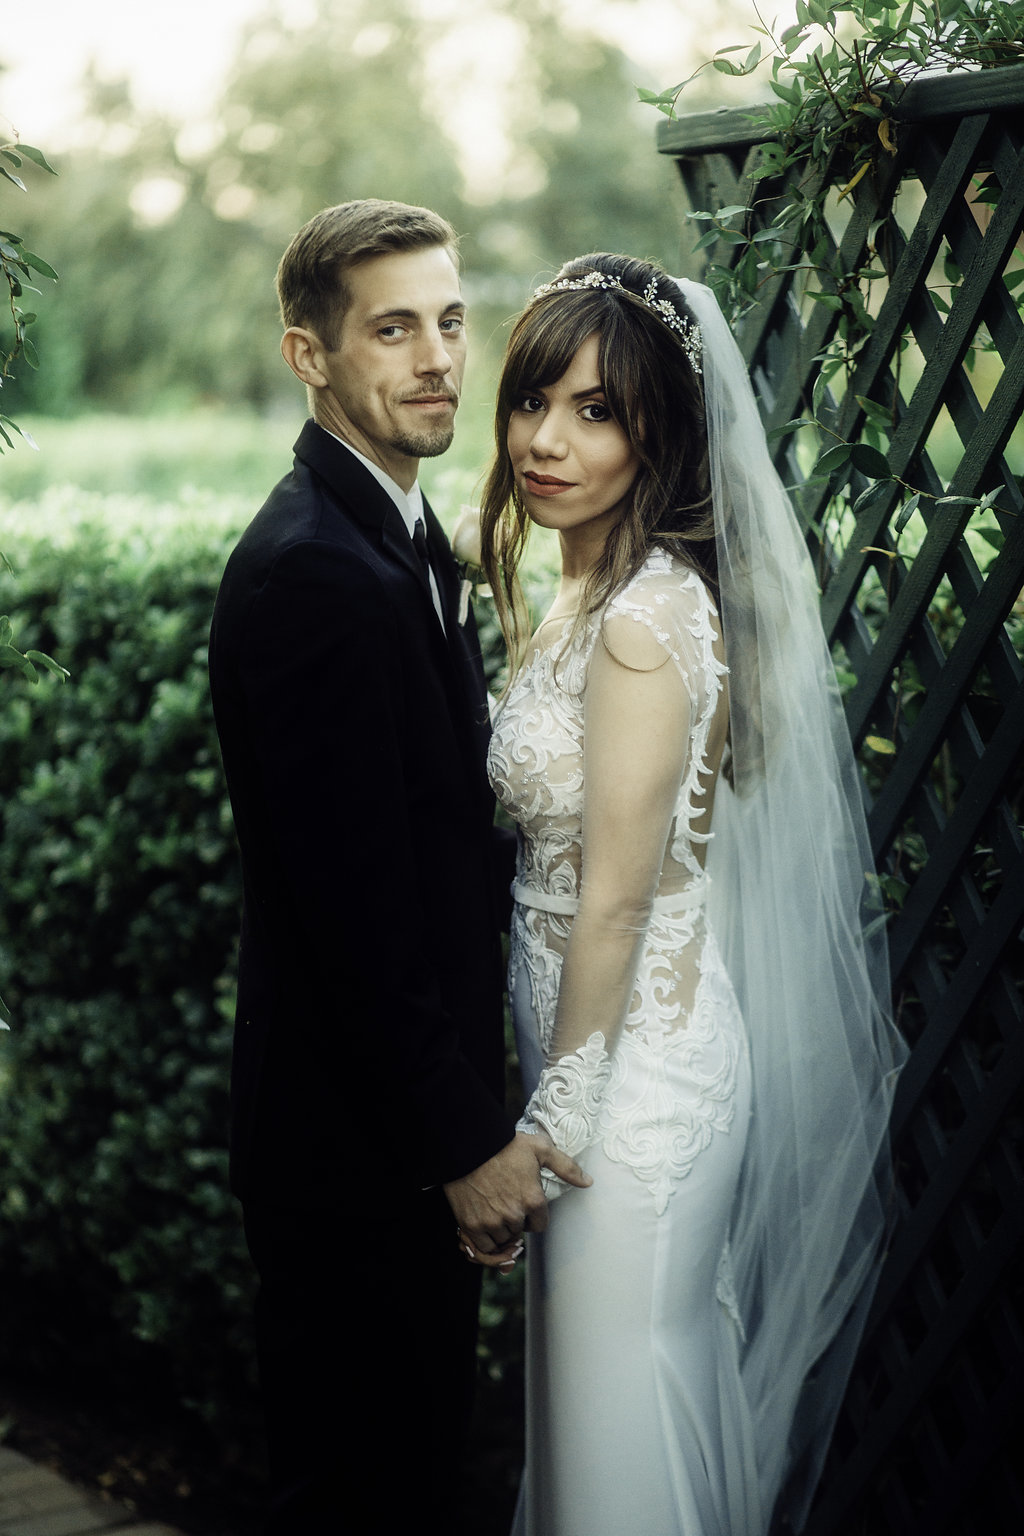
119 899
120 1245
121 1251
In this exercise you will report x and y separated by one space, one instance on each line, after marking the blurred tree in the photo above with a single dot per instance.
167 235
597 182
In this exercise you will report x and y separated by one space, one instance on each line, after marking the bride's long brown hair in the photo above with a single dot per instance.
654 395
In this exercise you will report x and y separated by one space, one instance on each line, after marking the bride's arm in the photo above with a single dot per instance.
636 733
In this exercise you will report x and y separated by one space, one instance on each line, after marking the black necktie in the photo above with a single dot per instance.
419 544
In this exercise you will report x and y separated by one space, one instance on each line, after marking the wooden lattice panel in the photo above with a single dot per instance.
930 623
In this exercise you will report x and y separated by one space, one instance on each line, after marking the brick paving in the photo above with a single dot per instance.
37 1502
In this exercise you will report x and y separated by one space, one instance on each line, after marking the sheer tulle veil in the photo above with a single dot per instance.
788 865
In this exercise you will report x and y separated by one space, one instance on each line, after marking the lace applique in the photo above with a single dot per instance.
567 1103
669 1085
671 1090
530 949
725 1289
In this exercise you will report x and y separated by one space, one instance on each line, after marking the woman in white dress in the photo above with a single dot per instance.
700 1018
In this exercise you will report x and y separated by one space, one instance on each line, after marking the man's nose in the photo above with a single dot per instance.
434 357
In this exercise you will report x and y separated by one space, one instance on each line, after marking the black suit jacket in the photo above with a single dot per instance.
368 1041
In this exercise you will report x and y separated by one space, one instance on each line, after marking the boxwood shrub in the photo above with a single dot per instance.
119 897
120 1246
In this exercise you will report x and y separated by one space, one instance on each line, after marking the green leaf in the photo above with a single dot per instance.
869 461
731 210
894 887
881 744
956 501
820 390
10 656
37 157
875 493
665 101
790 93
47 662
907 511
5 1015
833 459
39 264
11 177
874 411
1013 279
790 426
830 300
994 536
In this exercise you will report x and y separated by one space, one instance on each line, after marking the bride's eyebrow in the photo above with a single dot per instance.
585 394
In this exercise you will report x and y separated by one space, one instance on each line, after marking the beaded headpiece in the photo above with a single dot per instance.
688 333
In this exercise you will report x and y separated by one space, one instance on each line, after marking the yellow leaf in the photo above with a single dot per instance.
880 744
854 180
885 135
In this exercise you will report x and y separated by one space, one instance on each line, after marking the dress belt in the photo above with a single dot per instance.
694 895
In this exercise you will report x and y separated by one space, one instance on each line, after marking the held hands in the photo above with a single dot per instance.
502 1198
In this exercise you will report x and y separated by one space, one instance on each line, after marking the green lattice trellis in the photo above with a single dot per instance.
928 625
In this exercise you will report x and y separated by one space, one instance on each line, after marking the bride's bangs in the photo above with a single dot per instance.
548 337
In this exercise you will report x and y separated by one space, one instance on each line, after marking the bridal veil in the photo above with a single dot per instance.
790 890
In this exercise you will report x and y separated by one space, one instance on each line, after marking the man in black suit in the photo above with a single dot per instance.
367 1078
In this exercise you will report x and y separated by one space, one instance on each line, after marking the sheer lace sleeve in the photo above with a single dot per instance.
650 697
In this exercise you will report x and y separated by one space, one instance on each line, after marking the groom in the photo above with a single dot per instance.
367 1114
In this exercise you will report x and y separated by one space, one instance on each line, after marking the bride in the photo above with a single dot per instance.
699 1011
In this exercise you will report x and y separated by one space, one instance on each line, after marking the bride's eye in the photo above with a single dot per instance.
529 403
596 410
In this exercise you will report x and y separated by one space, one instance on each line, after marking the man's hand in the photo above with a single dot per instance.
499 1201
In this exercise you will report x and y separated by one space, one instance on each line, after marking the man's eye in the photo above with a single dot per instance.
453 325
390 332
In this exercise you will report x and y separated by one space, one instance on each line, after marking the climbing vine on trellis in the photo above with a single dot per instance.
838 74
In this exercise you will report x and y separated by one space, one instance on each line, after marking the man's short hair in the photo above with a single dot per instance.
311 283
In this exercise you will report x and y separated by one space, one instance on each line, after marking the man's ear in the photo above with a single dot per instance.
303 352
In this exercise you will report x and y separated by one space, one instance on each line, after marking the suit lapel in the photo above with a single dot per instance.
368 504
455 647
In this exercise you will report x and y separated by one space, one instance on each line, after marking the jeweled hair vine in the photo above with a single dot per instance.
663 309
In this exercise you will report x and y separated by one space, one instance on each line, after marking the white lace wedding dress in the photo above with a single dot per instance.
636 1416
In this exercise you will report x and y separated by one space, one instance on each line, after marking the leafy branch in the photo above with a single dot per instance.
19 264
837 76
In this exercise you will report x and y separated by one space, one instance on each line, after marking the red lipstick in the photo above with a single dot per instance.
545 485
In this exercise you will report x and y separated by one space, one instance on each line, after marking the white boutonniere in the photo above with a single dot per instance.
466 549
